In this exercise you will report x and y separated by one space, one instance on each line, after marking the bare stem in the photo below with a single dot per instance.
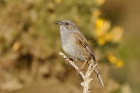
86 77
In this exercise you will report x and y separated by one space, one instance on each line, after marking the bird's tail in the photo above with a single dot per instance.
98 75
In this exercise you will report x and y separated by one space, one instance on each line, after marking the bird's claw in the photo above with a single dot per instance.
68 59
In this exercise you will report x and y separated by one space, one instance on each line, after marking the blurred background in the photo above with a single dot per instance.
30 45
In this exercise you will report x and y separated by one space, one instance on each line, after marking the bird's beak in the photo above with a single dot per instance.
58 22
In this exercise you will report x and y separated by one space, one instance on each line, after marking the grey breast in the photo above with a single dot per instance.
75 51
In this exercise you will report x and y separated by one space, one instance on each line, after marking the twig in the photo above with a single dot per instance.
72 64
86 77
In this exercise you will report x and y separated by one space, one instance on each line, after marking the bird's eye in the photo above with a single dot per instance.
67 23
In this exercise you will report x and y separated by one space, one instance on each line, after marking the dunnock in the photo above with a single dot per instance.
75 44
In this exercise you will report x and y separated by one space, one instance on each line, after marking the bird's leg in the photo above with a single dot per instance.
83 65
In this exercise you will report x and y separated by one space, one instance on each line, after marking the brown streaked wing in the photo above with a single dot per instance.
82 40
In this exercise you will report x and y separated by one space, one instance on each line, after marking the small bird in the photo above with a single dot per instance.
75 45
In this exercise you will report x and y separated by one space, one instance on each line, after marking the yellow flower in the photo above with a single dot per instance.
106 26
112 59
117 33
108 37
103 33
99 24
101 27
120 63
101 40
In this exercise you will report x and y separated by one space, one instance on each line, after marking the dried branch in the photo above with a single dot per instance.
86 77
